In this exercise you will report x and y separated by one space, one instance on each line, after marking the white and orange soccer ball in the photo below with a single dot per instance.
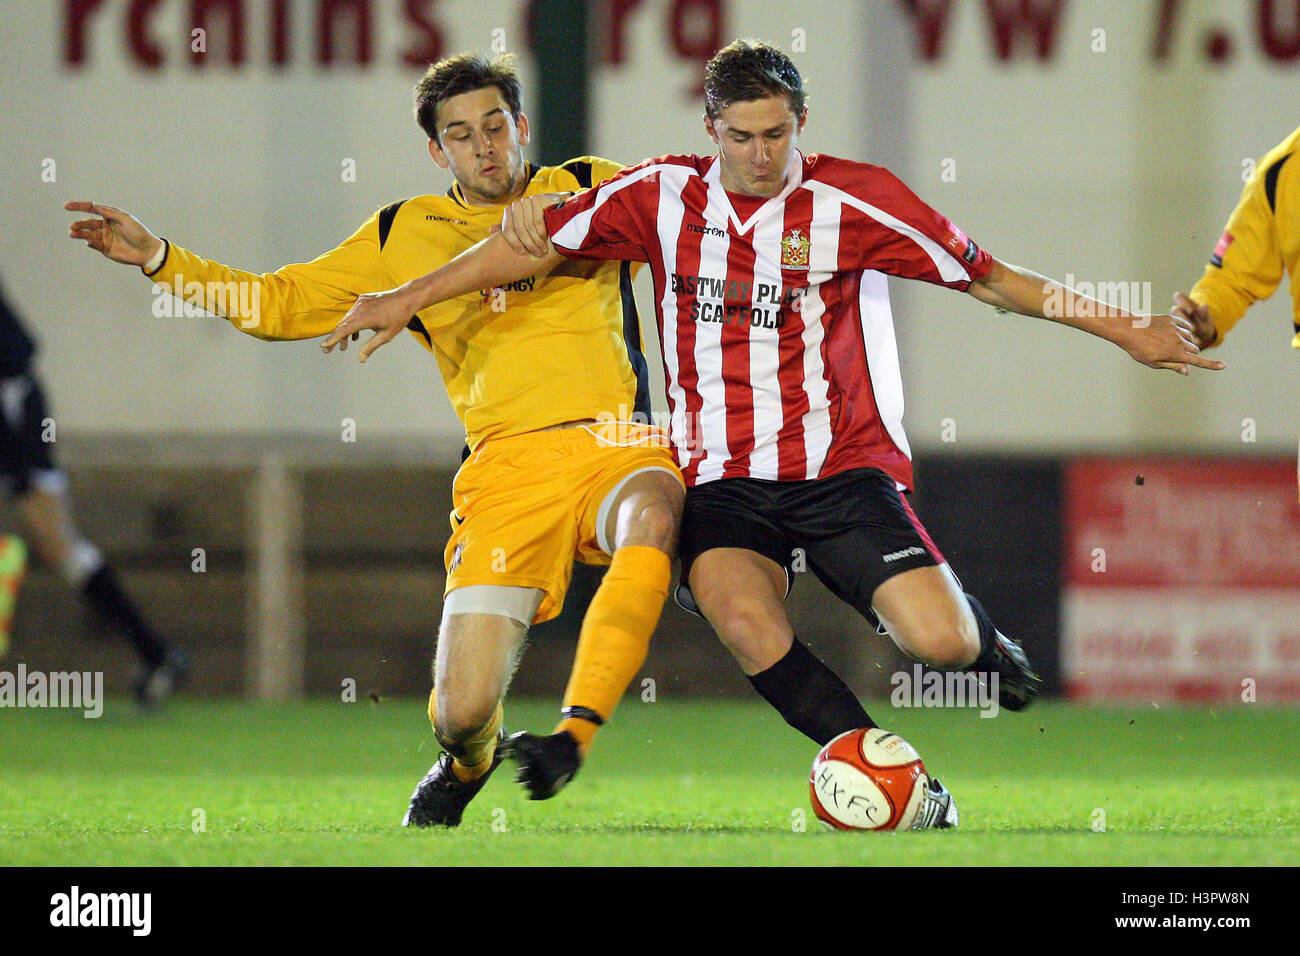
868 779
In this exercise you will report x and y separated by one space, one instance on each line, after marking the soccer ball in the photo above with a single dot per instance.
868 779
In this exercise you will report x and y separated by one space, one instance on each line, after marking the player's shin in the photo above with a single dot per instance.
809 695
615 638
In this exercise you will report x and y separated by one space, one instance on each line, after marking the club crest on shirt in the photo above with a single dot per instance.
794 250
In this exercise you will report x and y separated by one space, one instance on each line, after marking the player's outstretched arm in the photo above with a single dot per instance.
301 300
116 234
1156 341
486 265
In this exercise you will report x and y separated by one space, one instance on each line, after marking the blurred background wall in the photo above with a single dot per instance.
1096 141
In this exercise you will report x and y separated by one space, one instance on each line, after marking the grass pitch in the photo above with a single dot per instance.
214 783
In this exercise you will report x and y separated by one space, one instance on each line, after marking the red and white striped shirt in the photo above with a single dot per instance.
778 343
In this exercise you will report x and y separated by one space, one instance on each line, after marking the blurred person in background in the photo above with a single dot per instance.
38 490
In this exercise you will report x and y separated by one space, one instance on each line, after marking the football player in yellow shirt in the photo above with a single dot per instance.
1260 241
543 380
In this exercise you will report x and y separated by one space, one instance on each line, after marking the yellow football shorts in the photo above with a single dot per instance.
524 507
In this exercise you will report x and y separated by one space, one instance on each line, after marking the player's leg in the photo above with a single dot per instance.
509 561
737 528
742 593
637 509
932 620
482 633
640 519
927 615
41 504
870 549
14 478
54 540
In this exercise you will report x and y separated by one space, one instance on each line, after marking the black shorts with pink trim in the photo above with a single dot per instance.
854 530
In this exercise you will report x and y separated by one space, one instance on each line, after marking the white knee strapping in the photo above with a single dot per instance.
51 481
518 604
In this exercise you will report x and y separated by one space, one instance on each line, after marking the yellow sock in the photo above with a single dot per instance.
476 753
615 636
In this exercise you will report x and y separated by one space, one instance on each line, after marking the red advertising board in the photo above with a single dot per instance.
1182 580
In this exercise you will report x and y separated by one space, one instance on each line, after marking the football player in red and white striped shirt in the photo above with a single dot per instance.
782 375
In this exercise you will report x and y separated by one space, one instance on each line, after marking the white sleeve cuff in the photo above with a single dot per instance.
155 263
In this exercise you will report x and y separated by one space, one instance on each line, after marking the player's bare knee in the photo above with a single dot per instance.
459 719
652 515
455 728
948 647
653 524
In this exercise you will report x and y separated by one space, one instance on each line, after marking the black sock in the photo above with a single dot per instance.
810 697
106 596
985 661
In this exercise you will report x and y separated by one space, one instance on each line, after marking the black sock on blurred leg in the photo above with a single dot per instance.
102 591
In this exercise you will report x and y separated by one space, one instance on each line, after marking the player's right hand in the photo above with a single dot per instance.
524 224
1198 314
387 313
117 235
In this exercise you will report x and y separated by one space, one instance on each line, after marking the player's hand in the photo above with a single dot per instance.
117 234
524 225
1165 341
1198 314
386 312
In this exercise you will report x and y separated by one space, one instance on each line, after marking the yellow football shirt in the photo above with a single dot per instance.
1261 240
541 351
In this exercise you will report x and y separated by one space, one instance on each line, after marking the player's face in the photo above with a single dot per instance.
756 141
483 145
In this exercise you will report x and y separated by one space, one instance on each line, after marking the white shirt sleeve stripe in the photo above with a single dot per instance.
950 268
574 232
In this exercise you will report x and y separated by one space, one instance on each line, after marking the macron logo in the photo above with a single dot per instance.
905 553
75 908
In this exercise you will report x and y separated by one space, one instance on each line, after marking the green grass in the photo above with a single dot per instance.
325 783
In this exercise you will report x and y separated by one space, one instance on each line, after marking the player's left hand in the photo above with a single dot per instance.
1165 341
386 312
524 224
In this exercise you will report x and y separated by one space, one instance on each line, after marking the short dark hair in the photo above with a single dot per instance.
464 73
745 70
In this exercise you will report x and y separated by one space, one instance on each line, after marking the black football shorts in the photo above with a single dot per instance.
26 458
853 530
